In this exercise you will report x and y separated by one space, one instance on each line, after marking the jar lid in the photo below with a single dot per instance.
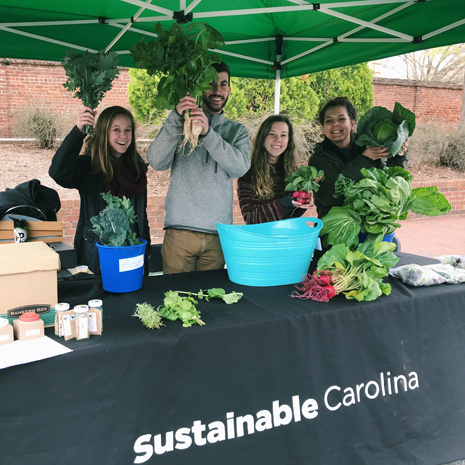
29 317
4 322
95 303
81 308
61 307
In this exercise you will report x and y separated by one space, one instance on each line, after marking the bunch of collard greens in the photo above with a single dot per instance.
182 56
90 75
113 223
362 269
376 203
379 127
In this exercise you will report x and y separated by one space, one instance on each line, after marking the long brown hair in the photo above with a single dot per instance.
103 160
259 172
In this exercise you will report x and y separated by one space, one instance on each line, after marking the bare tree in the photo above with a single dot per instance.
443 64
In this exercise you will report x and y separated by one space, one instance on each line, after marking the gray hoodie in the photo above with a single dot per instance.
200 193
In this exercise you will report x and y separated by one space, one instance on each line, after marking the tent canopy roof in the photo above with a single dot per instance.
296 36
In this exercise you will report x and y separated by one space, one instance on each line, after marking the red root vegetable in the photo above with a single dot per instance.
302 197
312 289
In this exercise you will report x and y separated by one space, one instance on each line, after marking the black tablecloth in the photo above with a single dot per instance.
268 380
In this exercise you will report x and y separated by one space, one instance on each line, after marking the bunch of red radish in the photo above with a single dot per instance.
302 197
320 286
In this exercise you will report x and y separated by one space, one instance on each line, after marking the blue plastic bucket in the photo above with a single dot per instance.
362 237
122 267
269 254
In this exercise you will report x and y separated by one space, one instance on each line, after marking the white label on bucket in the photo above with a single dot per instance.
129 264
318 244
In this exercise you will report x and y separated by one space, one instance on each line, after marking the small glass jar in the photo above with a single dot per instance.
59 309
97 305
82 322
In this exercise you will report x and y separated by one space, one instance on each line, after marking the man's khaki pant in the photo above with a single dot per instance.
183 251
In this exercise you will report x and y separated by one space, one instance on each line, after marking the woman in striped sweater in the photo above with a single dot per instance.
261 193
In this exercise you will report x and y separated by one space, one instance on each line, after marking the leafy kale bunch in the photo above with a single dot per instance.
113 223
359 274
374 204
90 75
379 127
182 56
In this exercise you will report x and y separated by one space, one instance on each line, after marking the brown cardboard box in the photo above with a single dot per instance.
45 231
28 275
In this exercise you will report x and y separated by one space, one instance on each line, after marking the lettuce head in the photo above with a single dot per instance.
379 127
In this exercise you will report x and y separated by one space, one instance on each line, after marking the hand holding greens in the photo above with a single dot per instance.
90 75
376 203
183 57
303 182
379 127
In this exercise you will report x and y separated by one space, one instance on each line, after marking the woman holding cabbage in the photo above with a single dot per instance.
340 154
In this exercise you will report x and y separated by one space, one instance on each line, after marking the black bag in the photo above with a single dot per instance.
30 199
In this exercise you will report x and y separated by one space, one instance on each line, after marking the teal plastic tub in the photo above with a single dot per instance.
269 254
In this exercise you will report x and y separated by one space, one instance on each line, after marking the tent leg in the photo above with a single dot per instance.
277 92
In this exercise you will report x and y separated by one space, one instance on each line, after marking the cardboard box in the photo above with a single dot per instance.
28 275
45 231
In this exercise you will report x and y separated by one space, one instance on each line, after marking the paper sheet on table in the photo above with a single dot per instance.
19 352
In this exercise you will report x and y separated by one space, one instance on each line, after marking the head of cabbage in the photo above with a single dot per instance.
379 127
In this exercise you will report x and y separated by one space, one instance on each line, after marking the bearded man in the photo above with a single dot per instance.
200 192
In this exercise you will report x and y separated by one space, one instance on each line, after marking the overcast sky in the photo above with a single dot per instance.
392 67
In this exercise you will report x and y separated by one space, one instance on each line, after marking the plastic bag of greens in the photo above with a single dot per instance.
457 261
417 275
451 274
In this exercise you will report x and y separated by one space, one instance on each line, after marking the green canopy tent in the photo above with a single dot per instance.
268 39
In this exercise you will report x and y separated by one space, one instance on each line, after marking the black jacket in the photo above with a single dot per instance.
329 158
71 170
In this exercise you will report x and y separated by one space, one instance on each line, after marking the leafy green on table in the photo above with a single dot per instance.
90 75
379 127
178 307
376 203
149 317
360 272
217 293
182 55
113 223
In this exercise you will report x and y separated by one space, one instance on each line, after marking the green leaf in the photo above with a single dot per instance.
342 226
429 201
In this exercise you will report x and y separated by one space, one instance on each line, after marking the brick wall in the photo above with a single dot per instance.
438 102
454 191
24 83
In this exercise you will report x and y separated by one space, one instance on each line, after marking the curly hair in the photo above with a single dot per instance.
338 102
259 173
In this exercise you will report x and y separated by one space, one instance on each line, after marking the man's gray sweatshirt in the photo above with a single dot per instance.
200 192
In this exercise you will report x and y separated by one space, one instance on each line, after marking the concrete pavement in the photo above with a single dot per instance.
431 237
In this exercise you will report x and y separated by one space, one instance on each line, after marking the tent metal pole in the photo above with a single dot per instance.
278 67
277 92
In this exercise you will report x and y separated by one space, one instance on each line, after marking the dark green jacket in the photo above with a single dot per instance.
329 158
